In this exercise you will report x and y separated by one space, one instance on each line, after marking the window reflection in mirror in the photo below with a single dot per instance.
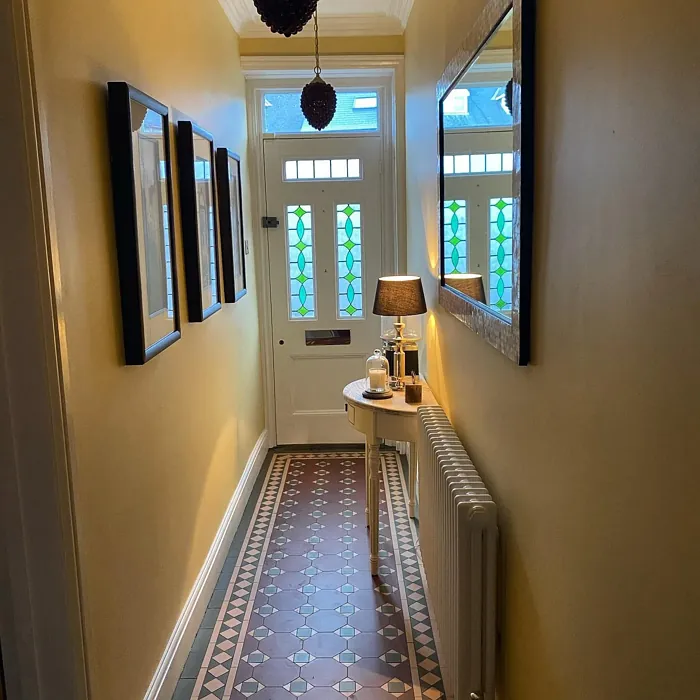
152 197
477 172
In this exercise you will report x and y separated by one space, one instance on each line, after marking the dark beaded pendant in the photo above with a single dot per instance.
287 17
318 103
509 96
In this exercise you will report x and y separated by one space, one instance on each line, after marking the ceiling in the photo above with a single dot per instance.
335 18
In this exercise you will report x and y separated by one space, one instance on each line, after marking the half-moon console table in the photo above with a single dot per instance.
388 419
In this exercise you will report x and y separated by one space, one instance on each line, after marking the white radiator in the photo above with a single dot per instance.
459 543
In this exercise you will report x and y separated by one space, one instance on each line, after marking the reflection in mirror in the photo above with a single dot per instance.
205 221
478 176
150 178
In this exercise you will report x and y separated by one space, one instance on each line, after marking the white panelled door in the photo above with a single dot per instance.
325 258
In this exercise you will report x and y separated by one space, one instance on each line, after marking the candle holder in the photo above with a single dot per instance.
377 377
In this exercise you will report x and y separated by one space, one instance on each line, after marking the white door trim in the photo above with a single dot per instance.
40 607
387 74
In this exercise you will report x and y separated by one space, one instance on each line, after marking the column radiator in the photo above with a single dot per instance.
459 542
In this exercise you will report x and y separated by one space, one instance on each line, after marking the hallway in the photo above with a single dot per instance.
296 613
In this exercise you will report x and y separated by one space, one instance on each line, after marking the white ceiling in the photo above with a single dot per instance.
335 18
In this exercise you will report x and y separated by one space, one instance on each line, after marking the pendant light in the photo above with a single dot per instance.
286 17
508 97
318 99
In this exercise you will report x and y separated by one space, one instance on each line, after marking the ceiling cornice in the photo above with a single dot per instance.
402 10
239 12
350 25
246 22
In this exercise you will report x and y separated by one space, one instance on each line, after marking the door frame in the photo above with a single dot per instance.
384 73
40 604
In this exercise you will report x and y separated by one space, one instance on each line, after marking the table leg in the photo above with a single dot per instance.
412 479
367 483
373 503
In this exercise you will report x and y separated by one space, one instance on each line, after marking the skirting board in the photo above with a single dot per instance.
170 667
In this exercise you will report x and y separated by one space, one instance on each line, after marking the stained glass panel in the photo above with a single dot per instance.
501 257
349 229
300 242
455 237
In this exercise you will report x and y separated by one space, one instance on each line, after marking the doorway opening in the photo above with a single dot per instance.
330 224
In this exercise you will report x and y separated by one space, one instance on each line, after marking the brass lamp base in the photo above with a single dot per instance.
397 382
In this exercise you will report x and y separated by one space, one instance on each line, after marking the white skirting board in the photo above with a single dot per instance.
178 648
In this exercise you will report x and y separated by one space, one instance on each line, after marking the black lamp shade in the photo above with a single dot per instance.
470 284
399 296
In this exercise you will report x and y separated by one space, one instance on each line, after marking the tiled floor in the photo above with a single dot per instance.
296 613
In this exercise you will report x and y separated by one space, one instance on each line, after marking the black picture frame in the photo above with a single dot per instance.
200 248
230 195
150 305
512 337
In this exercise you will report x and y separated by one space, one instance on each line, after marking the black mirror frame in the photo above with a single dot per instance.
226 225
509 336
186 131
120 95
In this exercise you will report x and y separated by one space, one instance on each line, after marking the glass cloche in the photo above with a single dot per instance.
377 374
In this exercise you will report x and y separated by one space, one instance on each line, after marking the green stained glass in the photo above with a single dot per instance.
349 239
455 254
300 240
501 263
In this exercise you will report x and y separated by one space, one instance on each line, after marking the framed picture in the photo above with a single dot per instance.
139 144
195 149
228 185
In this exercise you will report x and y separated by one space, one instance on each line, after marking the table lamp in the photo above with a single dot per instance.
399 296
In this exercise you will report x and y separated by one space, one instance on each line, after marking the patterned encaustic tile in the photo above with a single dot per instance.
302 617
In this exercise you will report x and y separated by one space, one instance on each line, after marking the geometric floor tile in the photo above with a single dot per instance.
297 613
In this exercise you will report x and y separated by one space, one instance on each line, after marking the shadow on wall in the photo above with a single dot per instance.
522 630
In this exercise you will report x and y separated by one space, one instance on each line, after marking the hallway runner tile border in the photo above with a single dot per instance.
218 670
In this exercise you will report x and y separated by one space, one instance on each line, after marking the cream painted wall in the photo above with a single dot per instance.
591 452
329 46
158 450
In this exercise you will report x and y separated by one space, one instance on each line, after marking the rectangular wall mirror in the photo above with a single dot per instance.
485 106
139 138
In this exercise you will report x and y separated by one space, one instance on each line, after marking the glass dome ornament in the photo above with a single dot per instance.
318 98
287 17
377 377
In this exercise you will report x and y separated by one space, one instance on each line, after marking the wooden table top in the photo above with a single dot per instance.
396 404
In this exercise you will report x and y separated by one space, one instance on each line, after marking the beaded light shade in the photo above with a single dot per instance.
287 17
318 98
509 96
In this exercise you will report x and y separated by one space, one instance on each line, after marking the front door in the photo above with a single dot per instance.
325 259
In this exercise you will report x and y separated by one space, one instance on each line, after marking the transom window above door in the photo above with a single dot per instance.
357 111
478 163
335 169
